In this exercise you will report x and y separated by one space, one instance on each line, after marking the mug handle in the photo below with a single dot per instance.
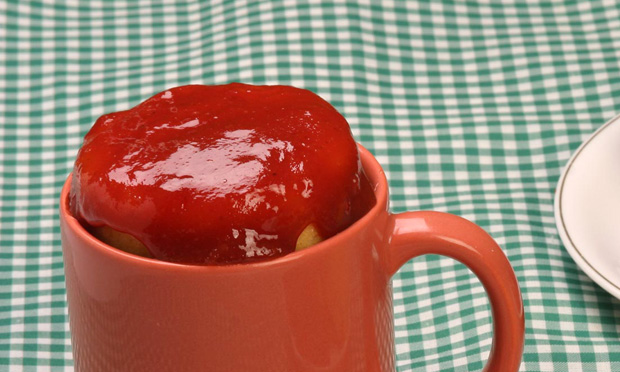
416 233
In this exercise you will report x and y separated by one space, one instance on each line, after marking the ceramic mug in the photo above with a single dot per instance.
327 308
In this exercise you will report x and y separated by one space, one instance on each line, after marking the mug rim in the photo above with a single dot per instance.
374 172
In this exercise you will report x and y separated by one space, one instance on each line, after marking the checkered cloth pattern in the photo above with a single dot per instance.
472 107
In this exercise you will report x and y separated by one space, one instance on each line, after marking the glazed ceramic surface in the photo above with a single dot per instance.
587 207
327 308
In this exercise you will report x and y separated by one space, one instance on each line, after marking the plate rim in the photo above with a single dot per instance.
573 251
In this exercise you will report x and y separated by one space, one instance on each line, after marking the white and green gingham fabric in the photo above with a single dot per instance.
473 107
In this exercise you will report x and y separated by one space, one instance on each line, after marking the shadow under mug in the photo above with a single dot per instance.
327 308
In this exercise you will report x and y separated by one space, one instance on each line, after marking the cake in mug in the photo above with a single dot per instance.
223 174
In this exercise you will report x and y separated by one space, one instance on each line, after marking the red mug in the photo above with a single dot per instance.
327 308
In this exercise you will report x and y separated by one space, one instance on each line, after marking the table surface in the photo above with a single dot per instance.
472 107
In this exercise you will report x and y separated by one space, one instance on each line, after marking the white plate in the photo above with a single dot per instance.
587 207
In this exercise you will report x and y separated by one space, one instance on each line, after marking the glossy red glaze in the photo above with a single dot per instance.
325 309
221 174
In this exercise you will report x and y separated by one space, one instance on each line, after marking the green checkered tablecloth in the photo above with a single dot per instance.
473 107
